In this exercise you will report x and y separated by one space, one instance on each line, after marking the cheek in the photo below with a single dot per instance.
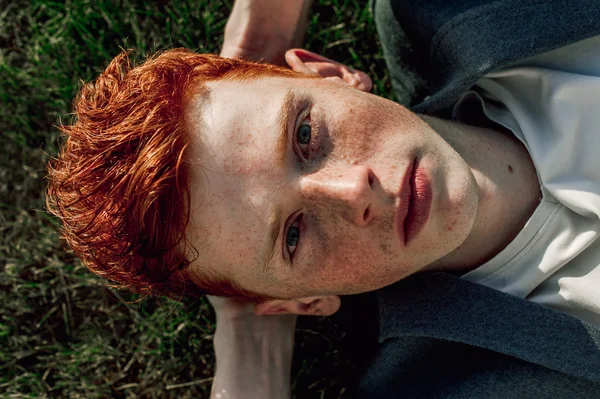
344 259
361 128
355 135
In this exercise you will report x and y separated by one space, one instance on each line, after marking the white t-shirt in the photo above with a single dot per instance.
551 103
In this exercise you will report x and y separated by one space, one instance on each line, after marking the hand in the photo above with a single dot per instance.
262 30
314 64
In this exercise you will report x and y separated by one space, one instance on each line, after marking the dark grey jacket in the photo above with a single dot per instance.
441 336
437 49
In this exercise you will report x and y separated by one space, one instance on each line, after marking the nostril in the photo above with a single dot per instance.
371 178
366 214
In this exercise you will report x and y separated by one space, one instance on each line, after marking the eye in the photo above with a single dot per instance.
304 134
292 236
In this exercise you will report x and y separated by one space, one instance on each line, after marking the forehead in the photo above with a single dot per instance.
234 129
234 118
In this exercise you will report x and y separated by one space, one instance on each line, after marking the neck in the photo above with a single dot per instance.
508 190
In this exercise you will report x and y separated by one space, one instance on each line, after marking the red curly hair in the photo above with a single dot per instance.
120 183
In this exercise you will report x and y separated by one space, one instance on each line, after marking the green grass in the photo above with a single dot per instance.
62 333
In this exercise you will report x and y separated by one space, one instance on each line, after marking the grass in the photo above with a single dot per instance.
62 333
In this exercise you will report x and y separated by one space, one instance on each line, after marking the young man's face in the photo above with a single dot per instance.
301 187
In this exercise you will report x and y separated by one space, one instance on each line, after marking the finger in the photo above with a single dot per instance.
297 64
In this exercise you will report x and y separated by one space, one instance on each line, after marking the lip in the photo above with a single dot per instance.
419 204
404 194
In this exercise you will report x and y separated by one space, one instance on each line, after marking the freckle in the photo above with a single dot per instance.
510 169
385 248
449 228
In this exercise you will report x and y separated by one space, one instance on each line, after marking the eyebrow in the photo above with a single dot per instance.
274 222
281 154
283 118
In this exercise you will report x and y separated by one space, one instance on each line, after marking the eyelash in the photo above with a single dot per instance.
304 152
295 224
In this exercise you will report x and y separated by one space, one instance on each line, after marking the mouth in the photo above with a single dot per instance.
405 194
418 204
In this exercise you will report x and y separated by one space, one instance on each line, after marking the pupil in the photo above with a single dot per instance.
304 134
292 236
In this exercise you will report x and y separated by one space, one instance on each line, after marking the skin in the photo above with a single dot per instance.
361 146
262 30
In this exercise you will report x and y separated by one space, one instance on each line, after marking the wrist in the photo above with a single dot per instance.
254 357
232 323
261 336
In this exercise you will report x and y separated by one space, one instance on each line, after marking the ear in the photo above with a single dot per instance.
311 63
310 306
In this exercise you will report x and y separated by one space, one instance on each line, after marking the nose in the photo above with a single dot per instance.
349 192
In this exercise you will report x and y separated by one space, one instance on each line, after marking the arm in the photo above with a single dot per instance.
254 353
265 29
